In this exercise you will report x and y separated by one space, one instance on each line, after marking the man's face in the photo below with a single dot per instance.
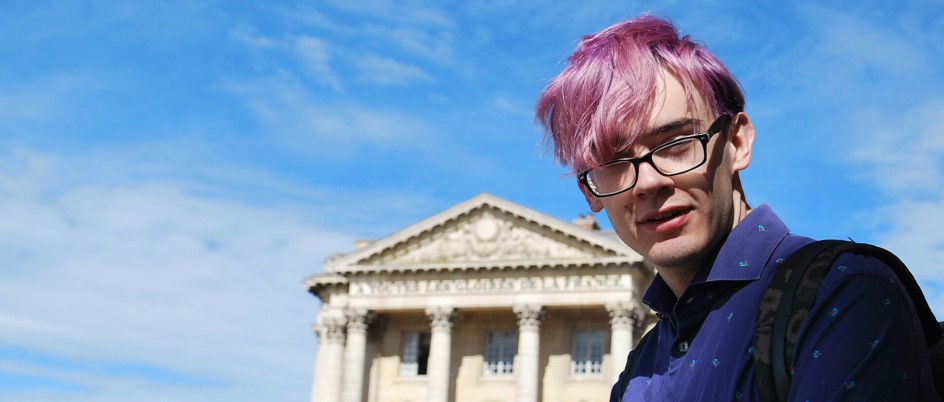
677 221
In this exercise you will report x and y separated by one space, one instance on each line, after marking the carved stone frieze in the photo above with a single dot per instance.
453 285
483 237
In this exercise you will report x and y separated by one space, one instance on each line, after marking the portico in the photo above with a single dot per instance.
487 301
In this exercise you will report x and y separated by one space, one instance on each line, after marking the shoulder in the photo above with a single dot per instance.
856 267
868 284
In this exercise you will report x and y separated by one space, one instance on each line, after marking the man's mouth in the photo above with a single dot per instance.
664 216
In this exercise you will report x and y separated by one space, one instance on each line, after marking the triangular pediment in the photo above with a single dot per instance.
483 232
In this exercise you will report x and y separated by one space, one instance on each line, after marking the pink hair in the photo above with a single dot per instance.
601 102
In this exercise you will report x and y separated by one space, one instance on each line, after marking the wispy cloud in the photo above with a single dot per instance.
902 151
155 277
423 32
397 12
316 53
44 99
248 36
503 103
835 51
386 71
293 114
902 155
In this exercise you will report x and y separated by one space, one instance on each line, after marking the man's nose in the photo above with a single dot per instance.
649 181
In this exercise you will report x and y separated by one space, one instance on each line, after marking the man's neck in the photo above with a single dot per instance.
679 277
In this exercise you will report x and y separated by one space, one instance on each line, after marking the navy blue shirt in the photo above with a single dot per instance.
860 342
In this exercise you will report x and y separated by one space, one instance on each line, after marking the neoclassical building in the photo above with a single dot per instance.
487 301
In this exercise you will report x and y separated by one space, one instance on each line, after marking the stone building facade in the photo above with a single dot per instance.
487 301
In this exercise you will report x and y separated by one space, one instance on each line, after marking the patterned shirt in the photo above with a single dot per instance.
860 342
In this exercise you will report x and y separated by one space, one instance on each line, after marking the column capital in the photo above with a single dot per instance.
529 315
331 329
358 318
441 316
621 314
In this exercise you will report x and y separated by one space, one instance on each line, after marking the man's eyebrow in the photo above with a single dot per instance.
673 126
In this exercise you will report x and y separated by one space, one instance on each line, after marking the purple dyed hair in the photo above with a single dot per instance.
600 103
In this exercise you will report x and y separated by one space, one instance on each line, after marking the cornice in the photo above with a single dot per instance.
485 266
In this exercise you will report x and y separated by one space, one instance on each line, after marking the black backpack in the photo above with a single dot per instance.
792 293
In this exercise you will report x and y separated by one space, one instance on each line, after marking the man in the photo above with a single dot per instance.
653 126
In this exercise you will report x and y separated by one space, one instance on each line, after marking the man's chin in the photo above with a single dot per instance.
674 253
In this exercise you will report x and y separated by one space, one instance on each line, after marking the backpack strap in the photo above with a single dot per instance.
627 373
936 352
790 297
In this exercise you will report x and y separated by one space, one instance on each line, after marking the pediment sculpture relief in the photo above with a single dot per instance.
483 237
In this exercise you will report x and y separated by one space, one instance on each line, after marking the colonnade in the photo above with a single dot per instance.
340 366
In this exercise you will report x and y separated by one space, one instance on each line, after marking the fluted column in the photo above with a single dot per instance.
621 336
529 340
357 322
440 351
319 364
330 361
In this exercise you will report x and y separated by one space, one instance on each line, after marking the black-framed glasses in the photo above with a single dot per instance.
675 157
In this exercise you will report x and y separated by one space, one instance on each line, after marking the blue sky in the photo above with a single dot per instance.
171 171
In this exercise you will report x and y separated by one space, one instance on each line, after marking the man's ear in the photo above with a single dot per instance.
742 139
592 200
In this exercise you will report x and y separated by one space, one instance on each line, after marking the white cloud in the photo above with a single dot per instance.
397 12
914 235
436 46
503 103
316 54
291 114
903 152
845 53
857 44
154 275
246 35
903 155
384 71
45 99
419 31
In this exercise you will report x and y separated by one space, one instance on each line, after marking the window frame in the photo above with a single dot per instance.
412 347
588 347
503 353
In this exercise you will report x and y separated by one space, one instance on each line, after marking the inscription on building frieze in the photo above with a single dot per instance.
489 285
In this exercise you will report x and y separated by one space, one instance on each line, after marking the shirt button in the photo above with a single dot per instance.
683 347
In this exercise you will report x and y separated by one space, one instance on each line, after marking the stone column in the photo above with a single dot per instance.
357 322
621 336
330 365
529 340
319 364
440 351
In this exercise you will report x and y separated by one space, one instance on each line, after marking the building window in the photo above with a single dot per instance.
588 352
500 349
415 354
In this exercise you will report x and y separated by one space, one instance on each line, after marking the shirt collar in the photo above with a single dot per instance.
742 256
